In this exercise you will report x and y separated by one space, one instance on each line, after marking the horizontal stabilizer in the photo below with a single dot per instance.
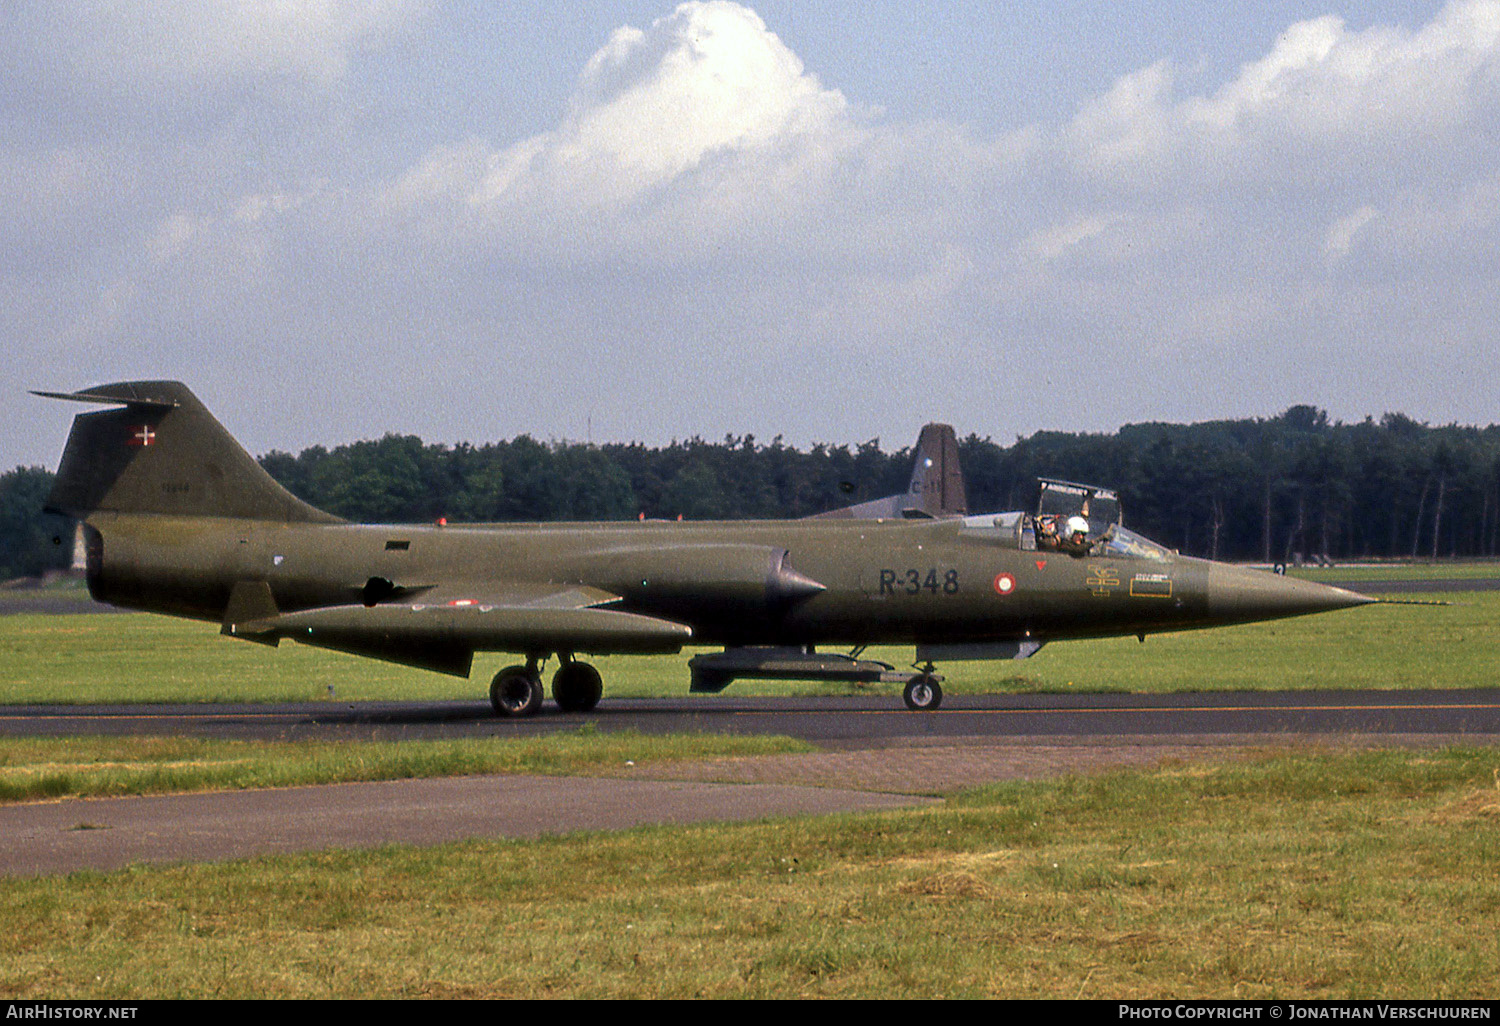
126 394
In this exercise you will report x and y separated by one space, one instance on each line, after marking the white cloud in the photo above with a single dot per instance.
207 43
1057 241
1378 143
705 122
701 150
710 79
704 135
1130 124
1341 236
897 306
171 238
1325 101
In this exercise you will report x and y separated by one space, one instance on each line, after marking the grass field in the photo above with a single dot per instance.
80 658
1433 571
91 767
1324 875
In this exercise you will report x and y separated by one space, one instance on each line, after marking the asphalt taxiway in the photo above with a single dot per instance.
836 721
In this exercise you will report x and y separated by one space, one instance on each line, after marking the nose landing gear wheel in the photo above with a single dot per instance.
516 691
923 693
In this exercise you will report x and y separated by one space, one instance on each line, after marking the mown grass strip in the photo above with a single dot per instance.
1321 875
37 768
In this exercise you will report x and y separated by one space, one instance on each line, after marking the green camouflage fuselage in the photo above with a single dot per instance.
882 581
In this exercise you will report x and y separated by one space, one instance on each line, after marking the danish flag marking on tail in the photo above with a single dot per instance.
142 435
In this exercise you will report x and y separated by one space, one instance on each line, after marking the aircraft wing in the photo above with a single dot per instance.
444 626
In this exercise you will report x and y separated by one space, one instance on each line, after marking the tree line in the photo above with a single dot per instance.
1274 490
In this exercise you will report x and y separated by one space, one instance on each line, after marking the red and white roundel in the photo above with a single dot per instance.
1005 584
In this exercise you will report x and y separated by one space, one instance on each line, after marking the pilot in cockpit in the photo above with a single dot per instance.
1074 537
1046 534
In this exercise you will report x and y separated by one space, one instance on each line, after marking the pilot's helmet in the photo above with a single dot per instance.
1077 525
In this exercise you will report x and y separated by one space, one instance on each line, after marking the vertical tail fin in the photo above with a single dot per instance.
937 480
936 490
163 452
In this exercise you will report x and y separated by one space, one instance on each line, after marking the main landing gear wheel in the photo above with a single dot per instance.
923 693
576 687
516 691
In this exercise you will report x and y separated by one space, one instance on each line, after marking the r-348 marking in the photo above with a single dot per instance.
914 581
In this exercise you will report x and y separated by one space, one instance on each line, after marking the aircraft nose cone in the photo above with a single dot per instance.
1238 594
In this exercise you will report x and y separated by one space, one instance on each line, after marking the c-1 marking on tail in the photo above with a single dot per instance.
179 519
936 490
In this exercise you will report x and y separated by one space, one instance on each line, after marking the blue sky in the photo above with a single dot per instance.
834 222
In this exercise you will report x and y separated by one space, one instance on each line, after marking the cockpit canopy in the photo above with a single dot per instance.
1062 500
1075 519
1017 530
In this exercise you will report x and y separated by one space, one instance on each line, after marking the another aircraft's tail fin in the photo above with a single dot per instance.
937 480
163 452
936 490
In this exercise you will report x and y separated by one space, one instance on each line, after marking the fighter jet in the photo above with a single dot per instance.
179 519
